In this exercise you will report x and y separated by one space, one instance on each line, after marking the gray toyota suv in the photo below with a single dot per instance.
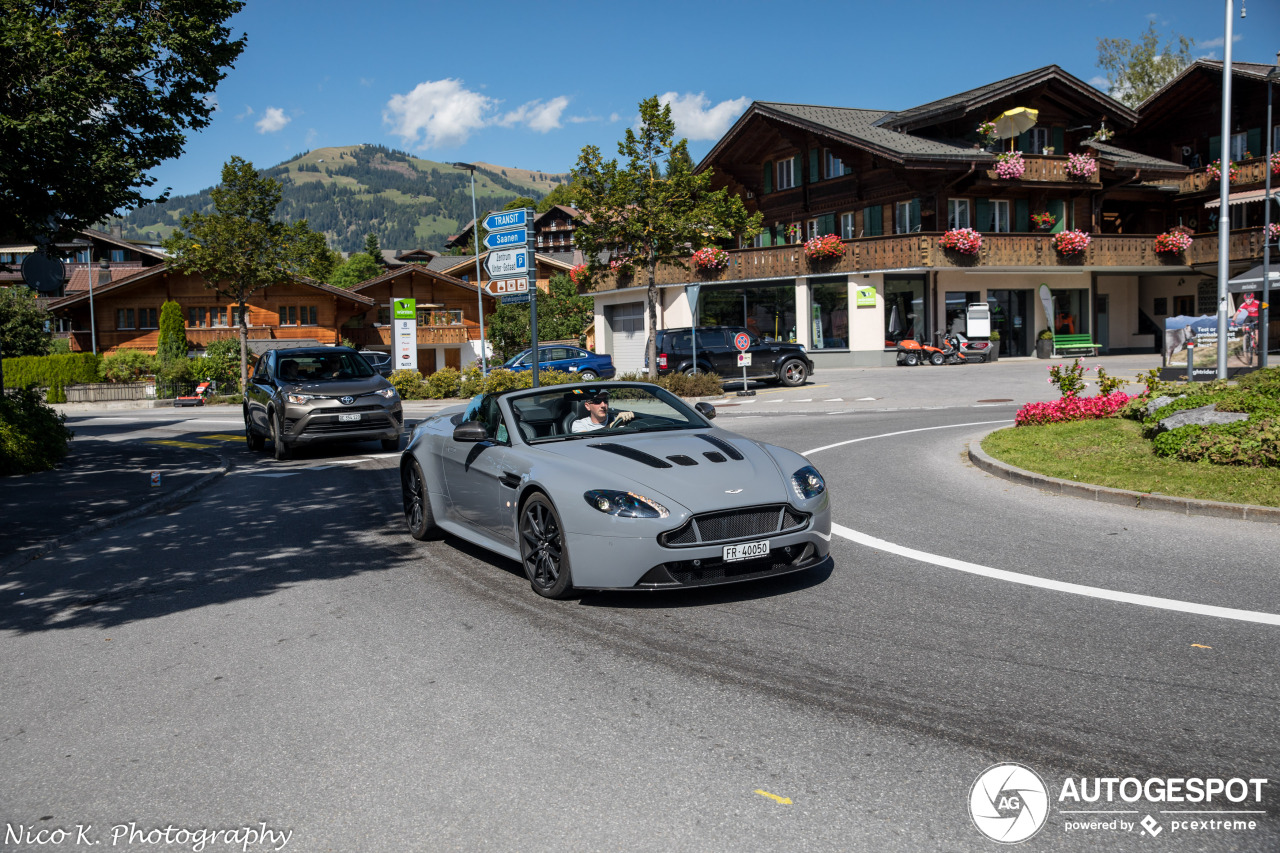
318 394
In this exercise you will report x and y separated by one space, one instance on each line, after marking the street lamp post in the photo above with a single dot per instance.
475 239
1264 317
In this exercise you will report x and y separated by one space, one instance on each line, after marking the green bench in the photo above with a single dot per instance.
1073 342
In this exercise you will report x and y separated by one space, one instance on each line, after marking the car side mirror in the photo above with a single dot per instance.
705 409
470 431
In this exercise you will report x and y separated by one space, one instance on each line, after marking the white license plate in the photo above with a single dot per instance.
352 417
746 551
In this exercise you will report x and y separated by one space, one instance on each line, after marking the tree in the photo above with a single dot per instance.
641 213
519 202
24 325
560 194
240 248
318 260
172 343
359 267
371 247
1136 71
563 314
96 93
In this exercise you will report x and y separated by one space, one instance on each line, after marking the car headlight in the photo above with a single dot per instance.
389 393
808 483
625 504
299 399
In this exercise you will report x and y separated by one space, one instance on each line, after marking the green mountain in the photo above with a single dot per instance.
348 192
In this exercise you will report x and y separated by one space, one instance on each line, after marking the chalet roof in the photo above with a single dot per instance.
1253 70
571 212
466 265
145 273
955 106
419 269
82 276
107 237
859 127
1126 159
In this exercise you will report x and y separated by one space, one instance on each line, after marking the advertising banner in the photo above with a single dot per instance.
1196 339
404 316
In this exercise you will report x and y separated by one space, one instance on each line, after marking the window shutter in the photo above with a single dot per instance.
813 166
768 176
797 169
1024 142
982 222
1059 210
1253 142
1215 148
1021 215
874 217
827 224
1059 141
915 214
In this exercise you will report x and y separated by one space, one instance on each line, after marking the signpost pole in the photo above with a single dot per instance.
532 272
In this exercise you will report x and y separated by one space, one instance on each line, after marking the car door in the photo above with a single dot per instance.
553 358
258 391
763 357
719 349
482 476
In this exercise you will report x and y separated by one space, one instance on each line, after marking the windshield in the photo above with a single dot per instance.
323 367
601 409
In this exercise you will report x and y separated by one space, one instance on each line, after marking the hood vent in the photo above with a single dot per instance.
725 447
681 459
632 453
713 456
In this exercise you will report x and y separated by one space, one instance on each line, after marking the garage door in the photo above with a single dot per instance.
629 338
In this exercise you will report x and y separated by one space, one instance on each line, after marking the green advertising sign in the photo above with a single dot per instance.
865 296
403 309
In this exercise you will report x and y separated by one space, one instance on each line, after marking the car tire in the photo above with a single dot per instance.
251 437
542 549
588 375
390 445
793 373
417 503
910 359
278 445
936 358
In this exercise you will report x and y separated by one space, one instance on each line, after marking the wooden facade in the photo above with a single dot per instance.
448 309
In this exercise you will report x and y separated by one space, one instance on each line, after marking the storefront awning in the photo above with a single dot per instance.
1252 280
1243 198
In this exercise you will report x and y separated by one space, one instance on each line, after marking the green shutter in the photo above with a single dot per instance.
1024 142
915 214
1059 141
827 224
1253 142
874 217
798 170
1215 148
1059 210
1021 215
813 166
982 220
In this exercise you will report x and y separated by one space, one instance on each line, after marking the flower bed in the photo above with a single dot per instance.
1172 242
710 259
1214 170
1010 165
1081 166
824 247
1071 242
966 241
1072 408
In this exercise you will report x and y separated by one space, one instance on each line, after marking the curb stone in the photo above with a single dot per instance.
1120 497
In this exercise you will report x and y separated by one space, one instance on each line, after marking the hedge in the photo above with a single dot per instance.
45 371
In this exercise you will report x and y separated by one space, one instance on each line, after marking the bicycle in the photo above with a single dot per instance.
1249 344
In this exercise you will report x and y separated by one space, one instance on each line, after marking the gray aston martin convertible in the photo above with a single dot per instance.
613 485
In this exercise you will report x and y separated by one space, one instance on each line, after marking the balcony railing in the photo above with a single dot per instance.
1252 171
921 251
1046 168
427 335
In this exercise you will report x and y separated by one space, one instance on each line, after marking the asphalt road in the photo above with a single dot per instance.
277 651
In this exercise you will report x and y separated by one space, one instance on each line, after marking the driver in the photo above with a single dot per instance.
599 415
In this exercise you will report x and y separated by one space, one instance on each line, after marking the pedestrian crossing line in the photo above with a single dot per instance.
223 437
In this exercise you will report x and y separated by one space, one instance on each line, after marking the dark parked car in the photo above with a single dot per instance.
586 364
314 394
773 361
379 361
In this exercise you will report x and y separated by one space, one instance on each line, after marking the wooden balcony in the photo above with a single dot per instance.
1248 172
921 251
1046 168
427 335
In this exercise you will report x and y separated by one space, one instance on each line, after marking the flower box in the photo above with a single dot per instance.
966 241
1081 166
1071 242
710 259
825 247
1214 170
1010 165
579 275
1044 220
1172 242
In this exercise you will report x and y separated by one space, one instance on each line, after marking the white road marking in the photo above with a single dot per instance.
1032 580
834 400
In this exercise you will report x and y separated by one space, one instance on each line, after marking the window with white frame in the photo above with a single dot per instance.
999 216
811 229
957 213
906 217
847 226
835 166
1039 139
1239 142
786 174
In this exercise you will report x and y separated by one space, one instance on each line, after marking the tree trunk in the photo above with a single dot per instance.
651 296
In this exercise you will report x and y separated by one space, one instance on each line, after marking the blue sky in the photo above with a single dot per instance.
528 84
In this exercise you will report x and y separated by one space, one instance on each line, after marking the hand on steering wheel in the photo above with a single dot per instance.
622 418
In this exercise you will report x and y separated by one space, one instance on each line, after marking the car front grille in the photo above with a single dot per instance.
367 423
730 525
707 572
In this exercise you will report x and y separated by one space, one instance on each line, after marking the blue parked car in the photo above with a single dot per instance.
588 365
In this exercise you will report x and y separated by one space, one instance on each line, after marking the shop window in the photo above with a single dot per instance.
904 312
957 213
767 312
830 307
1070 312
957 304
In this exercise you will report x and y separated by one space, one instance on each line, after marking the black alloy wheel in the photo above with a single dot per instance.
542 548
251 437
417 505
794 373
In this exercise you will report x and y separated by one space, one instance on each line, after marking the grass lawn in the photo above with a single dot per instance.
1113 453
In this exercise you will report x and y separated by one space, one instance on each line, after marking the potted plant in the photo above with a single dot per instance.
1081 166
1010 165
826 247
1044 344
1044 221
1071 243
966 241
1175 241
710 259
994 337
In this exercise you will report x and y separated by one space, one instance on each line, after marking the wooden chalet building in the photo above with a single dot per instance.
889 184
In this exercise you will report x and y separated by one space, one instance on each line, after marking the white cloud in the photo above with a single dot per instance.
696 119
439 112
536 115
273 119
248 111
1218 42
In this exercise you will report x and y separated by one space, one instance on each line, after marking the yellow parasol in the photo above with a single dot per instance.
1012 122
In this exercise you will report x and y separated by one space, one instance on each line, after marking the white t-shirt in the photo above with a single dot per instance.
585 425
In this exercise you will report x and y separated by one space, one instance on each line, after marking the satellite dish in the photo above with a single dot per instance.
43 273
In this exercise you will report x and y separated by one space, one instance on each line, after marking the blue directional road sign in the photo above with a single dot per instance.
505 220
506 239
